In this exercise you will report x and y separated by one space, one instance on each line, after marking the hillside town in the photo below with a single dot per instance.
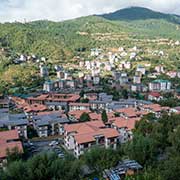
95 103
93 98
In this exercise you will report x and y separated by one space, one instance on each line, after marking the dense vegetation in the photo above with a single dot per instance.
156 146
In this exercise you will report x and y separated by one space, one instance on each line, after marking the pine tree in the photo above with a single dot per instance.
104 116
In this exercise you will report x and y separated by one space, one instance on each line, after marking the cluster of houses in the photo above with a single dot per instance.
66 80
53 114
23 58
90 73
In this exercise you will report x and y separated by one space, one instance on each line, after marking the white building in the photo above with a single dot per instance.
141 69
160 85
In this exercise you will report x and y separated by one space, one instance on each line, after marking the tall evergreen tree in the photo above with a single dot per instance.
104 116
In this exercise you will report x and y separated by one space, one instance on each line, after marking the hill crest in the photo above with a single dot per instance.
140 13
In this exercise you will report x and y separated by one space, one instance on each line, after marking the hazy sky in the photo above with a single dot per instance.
57 10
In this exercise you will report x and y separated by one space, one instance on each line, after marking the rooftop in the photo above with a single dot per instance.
9 140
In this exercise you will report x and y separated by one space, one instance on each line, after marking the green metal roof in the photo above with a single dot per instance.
161 81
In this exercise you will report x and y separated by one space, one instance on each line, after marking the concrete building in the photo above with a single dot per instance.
82 136
160 85
49 123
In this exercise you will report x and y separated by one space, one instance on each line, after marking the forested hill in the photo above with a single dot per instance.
61 40
140 13
50 39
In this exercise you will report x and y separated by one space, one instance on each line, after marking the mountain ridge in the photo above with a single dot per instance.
139 13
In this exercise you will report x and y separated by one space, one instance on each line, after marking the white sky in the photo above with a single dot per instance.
57 10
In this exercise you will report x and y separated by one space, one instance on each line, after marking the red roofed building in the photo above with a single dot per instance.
75 115
154 96
53 98
124 127
91 96
82 136
110 115
8 141
155 108
34 109
127 112
95 116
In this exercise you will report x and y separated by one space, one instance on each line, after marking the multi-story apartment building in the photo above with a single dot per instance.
160 85
82 136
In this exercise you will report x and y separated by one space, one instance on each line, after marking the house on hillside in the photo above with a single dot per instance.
44 71
141 69
160 85
124 127
137 79
82 136
154 96
139 88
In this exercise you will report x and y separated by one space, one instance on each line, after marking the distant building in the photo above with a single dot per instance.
99 105
141 69
44 71
96 80
137 79
154 96
133 55
159 69
57 106
55 85
105 97
60 74
48 86
124 127
125 65
160 85
171 74
123 79
139 88
95 52
155 109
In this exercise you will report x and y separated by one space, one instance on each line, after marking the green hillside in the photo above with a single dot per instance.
58 40
50 38
61 41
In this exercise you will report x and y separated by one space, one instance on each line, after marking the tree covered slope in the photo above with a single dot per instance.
57 40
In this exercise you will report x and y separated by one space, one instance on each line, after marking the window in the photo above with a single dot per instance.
86 145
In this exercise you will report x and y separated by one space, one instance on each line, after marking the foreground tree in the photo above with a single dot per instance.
141 149
85 117
100 158
104 116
